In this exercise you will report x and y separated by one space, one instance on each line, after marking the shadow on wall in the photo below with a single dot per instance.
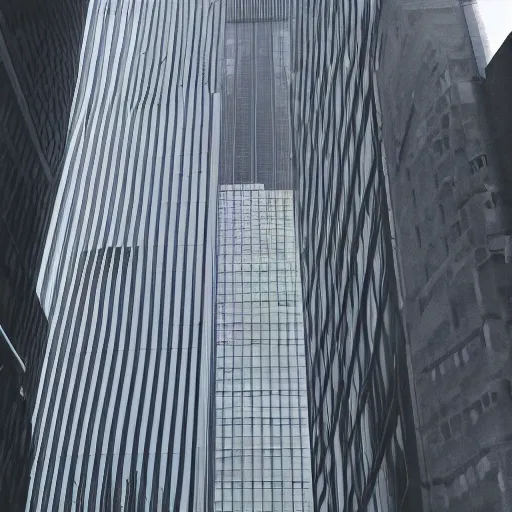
39 53
499 92
26 6
447 137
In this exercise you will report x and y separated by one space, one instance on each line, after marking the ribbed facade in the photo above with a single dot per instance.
357 376
255 105
39 58
248 11
123 411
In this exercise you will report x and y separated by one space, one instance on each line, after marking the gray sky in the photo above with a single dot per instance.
497 18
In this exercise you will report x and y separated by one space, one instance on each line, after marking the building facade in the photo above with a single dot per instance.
262 457
122 417
449 191
362 434
277 276
262 438
255 107
39 57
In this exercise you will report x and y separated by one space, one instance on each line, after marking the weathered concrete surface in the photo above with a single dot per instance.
452 224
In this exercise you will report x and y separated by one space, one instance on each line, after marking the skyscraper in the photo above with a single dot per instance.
126 407
255 106
122 413
39 56
278 270
262 438
362 435
262 451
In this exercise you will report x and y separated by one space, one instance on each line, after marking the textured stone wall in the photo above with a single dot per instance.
452 224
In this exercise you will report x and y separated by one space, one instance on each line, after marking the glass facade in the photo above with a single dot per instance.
363 446
255 105
262 454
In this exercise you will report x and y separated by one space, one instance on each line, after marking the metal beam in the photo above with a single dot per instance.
5 57
4 339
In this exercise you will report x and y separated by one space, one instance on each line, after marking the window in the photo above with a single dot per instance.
418 236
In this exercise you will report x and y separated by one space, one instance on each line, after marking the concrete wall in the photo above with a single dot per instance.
452 226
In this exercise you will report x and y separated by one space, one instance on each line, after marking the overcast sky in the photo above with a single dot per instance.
497 18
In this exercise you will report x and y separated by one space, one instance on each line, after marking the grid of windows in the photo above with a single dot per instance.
262 438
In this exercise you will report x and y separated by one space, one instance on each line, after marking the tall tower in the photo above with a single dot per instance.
39 57
262 454
362 436
122 415
262 436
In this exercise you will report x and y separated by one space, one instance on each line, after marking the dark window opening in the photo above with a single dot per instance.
418 236
441 214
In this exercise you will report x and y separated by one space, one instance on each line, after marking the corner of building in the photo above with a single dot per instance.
449 188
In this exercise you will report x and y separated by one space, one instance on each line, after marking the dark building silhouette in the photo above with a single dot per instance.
39 58
498 83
